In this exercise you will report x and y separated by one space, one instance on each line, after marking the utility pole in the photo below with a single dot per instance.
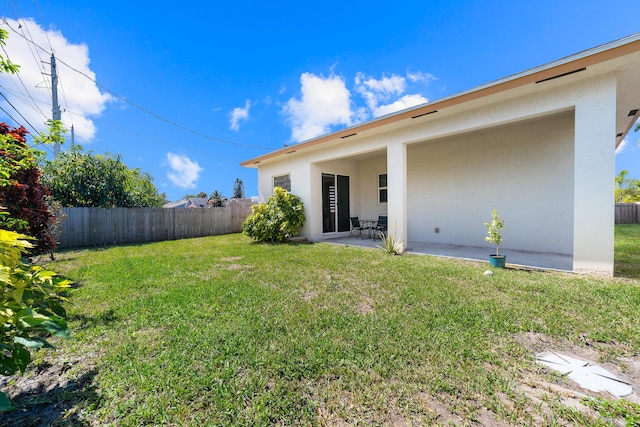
55 107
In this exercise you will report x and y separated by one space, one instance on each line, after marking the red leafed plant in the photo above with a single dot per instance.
23 202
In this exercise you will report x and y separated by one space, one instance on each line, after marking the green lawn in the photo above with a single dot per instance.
221 331
627 250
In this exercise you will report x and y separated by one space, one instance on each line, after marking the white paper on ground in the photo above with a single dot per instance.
591 377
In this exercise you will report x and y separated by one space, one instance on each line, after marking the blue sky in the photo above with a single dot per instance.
186 93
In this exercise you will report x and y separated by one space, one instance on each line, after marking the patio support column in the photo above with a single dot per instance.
594 170
397 191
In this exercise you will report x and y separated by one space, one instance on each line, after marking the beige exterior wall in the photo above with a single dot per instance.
369 171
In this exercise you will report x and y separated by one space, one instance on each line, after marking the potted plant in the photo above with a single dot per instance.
495 237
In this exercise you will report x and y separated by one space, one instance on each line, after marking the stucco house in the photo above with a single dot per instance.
538 146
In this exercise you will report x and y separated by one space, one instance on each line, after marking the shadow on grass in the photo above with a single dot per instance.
44 398
104 319
627 270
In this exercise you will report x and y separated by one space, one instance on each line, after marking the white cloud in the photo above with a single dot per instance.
376 91
183 172
239 114
419 76
324 103
386 95
78 95
406 101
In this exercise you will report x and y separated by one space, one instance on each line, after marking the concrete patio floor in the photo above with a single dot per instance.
524 259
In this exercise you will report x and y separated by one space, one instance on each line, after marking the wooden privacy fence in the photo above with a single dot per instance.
627 213
98 226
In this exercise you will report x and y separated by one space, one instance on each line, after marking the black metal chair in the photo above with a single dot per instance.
381 226
355 225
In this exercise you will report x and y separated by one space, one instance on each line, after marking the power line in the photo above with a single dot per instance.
18 123
10 116
46 33
22 28
157 116
19 94
12 106
21 82
141 108
157 140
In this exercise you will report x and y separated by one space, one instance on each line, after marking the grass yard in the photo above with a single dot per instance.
627 251
221 331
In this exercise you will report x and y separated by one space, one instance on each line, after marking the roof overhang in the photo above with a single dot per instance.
628 94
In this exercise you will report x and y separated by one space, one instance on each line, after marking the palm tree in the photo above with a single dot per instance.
627 190
216 200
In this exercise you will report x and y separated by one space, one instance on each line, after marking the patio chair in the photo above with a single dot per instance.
356 225
381 226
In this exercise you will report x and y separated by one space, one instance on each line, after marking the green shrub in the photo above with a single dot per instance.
31 301
277 220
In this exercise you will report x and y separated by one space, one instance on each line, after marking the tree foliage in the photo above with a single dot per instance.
31 306
493 230
277 220
200 195
30 298
627 190
216 200
6 65
238 189
76 178
22 193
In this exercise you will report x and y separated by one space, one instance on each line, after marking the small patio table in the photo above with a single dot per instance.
369 225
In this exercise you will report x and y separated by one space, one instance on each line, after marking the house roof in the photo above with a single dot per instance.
197 202
192 202
178 204
629 97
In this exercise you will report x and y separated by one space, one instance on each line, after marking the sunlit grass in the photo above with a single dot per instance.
627 251
222 331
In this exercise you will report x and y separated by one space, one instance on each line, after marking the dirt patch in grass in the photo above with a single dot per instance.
234 266
309 295
51 394
365 306
617 359
545 388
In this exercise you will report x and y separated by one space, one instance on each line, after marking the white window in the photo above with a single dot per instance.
382 188
282 181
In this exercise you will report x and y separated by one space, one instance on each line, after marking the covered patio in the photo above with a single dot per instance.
516 258
537 146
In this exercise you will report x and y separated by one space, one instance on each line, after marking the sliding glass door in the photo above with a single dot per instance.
335 203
